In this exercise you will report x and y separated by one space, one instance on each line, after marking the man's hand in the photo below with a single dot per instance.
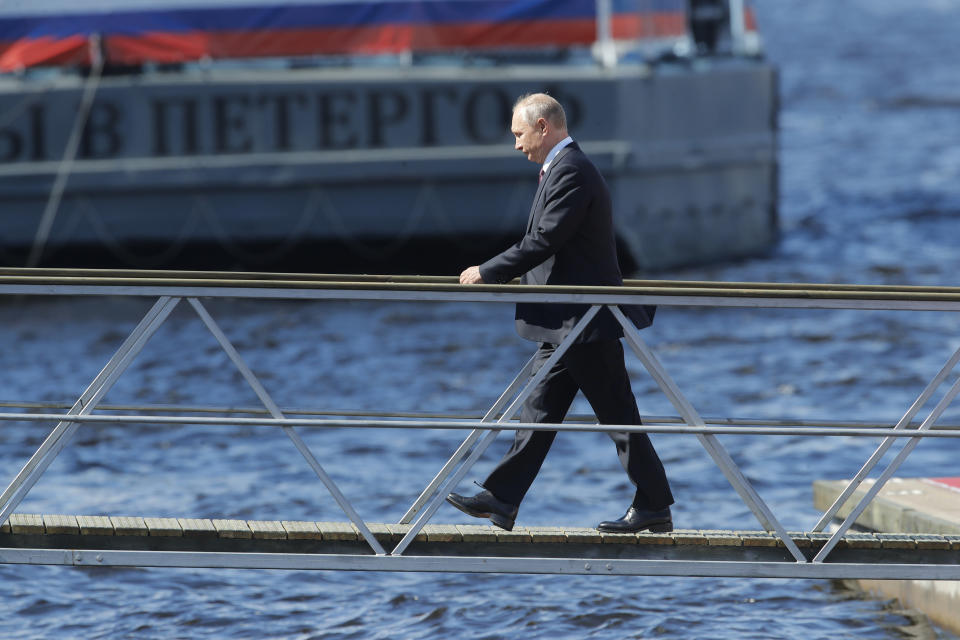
471 275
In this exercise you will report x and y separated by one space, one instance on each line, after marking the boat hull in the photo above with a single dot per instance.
379 157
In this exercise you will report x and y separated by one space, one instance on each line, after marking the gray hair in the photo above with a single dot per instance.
534 106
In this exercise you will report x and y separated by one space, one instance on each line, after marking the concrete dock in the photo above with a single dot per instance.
908 506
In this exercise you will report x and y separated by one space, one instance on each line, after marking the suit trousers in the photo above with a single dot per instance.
597 369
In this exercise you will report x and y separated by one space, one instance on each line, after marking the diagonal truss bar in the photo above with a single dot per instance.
291 433
488 439
51 447
468 442
868 466
888 472
710 442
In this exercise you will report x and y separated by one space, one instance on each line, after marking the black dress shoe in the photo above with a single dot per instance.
486 505
638 520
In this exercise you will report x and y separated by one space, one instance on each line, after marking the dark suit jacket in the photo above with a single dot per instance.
569 241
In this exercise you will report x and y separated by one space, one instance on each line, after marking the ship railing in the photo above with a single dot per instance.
173 287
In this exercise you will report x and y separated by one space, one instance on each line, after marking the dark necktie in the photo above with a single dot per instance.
540 179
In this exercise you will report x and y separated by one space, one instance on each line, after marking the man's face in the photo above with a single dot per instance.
529 138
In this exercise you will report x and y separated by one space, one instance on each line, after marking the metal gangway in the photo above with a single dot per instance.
414 544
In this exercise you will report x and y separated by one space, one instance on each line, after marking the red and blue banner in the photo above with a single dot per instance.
56 32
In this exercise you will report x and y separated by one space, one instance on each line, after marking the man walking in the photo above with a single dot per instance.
569 241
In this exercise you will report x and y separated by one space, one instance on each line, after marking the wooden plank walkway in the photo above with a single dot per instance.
286 536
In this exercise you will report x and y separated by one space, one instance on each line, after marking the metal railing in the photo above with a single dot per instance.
171 287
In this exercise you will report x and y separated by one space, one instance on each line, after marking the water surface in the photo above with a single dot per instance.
870 160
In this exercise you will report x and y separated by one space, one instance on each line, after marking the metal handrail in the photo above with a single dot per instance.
455 415
223 276
466 425
444 288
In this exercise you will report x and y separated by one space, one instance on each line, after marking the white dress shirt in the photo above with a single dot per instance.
553 154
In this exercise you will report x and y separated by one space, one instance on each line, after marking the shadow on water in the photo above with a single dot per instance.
901 622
